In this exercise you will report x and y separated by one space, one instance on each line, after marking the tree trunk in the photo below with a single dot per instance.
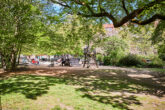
1 60
19 53
94 58
85 58
4 64
9 61
13 62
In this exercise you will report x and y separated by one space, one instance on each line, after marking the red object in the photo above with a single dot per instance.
34 62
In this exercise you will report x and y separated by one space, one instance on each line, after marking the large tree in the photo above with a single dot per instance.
118 11
17 27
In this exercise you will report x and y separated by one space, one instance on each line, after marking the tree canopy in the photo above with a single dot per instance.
118 11
55 27
19 22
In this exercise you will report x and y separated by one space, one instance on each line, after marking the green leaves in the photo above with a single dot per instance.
117 11
114 43
159 33
19 23
69 36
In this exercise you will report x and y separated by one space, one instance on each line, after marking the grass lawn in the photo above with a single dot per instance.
162 70
45 93
84 90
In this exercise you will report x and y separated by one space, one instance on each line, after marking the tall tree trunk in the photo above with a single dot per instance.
4 63
9 61
85 58
19 53
1 60
13 65
94 57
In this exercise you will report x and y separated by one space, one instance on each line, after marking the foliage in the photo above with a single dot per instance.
67 37
138 39
139 61
107 60
117 11
115 48
130 60
155 63
158 38
161 52
158 35
19 23
100 58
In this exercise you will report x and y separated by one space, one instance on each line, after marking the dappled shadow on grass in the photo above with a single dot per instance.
112 87
113 80
118 101
115 87
28 85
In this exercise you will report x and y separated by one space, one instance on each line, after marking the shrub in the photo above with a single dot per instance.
100 58
155 63
113 58
115 48
130 60
107 60
162 56
161 52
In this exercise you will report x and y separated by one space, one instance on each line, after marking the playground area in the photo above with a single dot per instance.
82 55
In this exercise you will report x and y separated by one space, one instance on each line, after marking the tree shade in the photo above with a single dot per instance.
118 11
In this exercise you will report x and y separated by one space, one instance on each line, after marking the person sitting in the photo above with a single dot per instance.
63 61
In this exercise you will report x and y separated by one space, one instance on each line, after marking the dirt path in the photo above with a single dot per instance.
143 77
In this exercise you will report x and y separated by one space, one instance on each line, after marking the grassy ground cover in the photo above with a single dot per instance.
80 90
161 70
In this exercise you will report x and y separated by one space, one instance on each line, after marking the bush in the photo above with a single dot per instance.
115 48
162 56
107 60
130 60
155 63
100 58
113 58
161 52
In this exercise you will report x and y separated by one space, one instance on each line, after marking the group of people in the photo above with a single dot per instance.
64 61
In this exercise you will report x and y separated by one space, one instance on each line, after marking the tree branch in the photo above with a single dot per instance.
86 5
124 7
153 18
135 13
103 13
60 3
